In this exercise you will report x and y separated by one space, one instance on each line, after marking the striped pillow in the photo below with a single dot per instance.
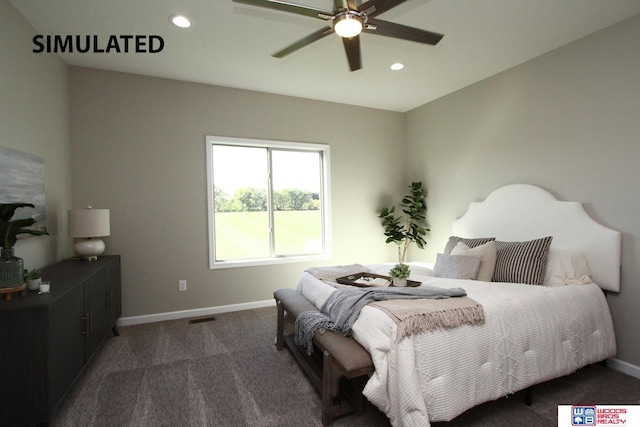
522 262
472 243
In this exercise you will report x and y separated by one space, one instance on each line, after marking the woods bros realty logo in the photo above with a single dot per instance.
598 415
96 44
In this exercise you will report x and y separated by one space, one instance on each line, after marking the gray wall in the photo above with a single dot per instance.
34 118
138 148
568 121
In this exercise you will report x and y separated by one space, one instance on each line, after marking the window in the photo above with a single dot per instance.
268 201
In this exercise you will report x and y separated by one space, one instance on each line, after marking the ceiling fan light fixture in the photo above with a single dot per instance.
347 25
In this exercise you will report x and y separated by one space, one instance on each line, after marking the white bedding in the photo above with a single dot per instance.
531 334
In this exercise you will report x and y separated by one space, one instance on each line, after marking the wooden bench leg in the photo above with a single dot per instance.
280 326
327 400
359 384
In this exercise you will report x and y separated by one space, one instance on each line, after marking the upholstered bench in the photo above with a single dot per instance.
338 369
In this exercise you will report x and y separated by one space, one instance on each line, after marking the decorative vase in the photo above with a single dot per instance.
10 269
399 282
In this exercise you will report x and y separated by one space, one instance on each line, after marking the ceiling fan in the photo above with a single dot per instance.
348 20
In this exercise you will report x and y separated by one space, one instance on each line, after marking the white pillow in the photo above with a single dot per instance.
488 262
567 268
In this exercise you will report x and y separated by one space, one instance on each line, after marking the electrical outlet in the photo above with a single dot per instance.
182 285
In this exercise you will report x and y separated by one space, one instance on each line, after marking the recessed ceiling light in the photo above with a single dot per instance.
180 21
397 66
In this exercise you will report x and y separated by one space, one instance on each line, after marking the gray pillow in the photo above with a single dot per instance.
457 266
472 243
488 253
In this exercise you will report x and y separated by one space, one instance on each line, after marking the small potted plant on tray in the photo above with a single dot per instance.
33 279
399 273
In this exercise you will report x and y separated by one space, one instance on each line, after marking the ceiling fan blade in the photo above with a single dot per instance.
374 8
352 47
288 7
317 35
389 29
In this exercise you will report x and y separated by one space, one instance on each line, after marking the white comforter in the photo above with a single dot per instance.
531 334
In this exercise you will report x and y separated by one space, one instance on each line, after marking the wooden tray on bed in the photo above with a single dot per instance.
351 280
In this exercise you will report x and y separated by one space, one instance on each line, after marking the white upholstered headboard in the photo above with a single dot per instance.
524 212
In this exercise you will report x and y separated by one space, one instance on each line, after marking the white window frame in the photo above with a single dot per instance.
325 206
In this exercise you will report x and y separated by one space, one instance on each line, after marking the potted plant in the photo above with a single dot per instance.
399 273
33 279
11 267
404 230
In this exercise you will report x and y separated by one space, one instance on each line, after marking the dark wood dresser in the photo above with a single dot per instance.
46 340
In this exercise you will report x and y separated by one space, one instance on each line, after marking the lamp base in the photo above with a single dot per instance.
89 249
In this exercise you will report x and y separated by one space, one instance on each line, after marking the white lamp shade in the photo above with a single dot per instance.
89 222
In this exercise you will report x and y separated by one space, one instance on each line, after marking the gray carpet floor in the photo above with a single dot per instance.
227 372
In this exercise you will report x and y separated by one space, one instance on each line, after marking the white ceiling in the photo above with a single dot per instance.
230 44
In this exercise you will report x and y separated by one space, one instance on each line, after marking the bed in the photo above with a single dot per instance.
530 334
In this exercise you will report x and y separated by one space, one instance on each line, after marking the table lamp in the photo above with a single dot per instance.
87 226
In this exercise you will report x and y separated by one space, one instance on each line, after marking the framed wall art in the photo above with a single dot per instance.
22 181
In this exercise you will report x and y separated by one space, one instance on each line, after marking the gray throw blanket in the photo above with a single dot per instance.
342 308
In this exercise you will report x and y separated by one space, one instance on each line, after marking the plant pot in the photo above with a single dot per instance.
399 282
10 269
34 284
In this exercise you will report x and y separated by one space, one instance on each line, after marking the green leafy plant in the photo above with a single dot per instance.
9 230
401 271
32 275
403 230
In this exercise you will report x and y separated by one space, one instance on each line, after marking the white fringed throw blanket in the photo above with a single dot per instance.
342 308
416 316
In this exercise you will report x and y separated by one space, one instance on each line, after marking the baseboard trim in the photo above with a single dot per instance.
624 367
208 311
